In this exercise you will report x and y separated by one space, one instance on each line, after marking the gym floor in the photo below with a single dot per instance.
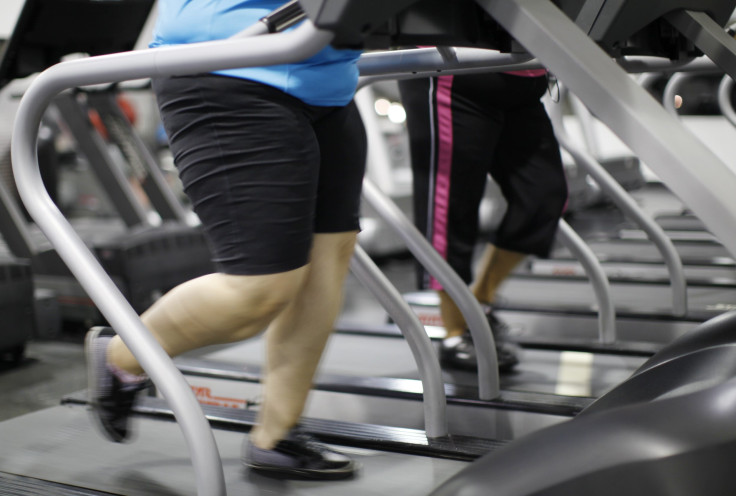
49 370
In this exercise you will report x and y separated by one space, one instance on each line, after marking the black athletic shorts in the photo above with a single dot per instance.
263 170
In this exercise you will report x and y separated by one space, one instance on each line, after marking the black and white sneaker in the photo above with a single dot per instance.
459 351
110 399
299 456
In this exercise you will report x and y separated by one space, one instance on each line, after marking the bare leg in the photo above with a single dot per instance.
296 339
495 266
452 318
212 309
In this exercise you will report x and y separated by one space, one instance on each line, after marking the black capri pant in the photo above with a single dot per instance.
463 128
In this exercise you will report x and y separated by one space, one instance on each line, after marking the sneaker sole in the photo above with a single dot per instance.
304 474
92 382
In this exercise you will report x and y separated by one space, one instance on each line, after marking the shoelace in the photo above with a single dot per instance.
308 441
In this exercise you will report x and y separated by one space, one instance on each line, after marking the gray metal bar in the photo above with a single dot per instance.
488 380
631 209
708 36
598 279
641 64
725 89
287 47
13 224
580 250
109 175
14 227
448 54
674 84
691 170
430 373
145 167
427 62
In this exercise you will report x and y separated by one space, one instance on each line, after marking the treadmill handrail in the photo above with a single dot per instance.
631 209
674 85
480 330
395 63
426 62
287 47
430 373
598 279
724 99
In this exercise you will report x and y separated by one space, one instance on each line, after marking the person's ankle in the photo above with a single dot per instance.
454 333
265 440
126 377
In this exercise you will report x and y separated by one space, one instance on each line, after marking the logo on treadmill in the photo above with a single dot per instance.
430 319
204 396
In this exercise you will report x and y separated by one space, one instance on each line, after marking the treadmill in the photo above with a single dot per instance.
132 470
606 225
144 258
622 245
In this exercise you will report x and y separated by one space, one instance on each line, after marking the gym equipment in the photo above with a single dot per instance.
144 260
518 17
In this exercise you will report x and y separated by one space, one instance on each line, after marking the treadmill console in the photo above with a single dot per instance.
381 24
621 27
635 27
47 30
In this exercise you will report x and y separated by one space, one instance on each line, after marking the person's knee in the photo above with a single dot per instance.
263 295
337 248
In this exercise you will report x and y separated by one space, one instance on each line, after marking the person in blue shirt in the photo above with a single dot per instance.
272 159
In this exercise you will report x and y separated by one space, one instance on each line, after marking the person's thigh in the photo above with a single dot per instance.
249 162
342 147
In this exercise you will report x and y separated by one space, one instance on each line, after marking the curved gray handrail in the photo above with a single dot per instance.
638 64
488 380
673 85
577 246
425 62
287 47
435 401
724 99
598 279
631 209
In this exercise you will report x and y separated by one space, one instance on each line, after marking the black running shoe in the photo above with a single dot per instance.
299 456
499 328
459 352
110 400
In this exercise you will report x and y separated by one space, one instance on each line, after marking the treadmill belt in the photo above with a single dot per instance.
61 445
629 298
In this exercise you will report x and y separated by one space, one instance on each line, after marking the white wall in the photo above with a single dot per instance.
9 11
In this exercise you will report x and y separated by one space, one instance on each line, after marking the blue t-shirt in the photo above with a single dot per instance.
328 78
